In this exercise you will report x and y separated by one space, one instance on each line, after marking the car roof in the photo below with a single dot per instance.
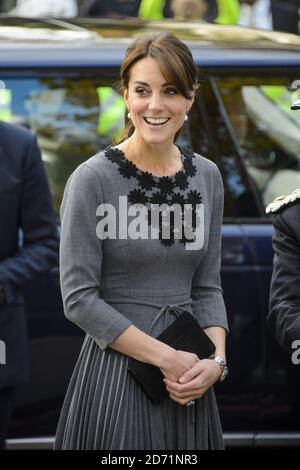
95 42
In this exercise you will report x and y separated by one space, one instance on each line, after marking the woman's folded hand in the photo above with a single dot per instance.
194 382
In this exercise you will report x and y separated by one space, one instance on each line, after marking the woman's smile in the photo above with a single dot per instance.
156 122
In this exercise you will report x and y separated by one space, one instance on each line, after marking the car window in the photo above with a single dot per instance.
243 124
267 131
210 136
73 118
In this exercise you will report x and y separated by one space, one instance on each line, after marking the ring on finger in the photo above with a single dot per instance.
190 403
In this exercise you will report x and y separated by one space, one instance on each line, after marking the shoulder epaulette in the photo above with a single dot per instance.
281 202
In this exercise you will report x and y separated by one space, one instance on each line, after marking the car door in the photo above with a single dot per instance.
258 153
239 396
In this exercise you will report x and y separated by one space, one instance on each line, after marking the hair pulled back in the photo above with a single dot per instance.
175 62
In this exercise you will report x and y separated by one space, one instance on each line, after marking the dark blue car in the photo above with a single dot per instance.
57 78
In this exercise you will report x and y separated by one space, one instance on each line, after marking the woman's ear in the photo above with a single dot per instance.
125 96
190 101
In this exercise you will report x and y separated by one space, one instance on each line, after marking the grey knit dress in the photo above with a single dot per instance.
113 282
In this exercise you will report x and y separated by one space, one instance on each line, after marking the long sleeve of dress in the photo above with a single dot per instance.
207 295
81 259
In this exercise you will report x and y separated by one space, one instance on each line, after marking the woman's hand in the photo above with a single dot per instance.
193 383
177 364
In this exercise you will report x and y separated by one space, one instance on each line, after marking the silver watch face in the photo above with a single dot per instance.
223 366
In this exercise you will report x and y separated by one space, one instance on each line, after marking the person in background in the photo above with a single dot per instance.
26 206
284 312
284 308
217 11
220 11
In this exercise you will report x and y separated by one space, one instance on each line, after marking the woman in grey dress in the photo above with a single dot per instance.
124 280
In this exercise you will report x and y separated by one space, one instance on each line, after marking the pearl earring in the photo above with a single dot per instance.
186 117
129 115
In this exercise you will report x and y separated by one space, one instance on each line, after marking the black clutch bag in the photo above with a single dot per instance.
183 334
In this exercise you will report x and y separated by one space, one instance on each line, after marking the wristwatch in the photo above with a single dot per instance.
2 296
223 366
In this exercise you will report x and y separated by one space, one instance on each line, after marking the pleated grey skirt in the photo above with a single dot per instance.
105 409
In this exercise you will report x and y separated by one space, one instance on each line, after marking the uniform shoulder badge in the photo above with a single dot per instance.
281 202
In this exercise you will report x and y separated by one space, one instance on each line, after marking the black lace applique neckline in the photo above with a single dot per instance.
164 189
145 179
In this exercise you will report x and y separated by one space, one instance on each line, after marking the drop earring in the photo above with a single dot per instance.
129 115
186 117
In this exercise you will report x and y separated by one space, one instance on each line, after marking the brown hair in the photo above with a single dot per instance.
174 59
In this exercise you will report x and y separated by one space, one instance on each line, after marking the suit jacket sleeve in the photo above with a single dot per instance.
81 259
284 312
39 249
207 295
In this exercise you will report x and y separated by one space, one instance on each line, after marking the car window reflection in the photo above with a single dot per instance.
73 118
267 132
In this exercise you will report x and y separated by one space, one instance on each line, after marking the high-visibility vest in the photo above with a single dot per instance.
152 9
229 11
5 105
112 112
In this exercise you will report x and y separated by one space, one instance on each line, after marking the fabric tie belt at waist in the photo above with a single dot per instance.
156 415
177 309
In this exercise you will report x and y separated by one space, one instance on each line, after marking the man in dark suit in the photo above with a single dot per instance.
284 312
28 247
